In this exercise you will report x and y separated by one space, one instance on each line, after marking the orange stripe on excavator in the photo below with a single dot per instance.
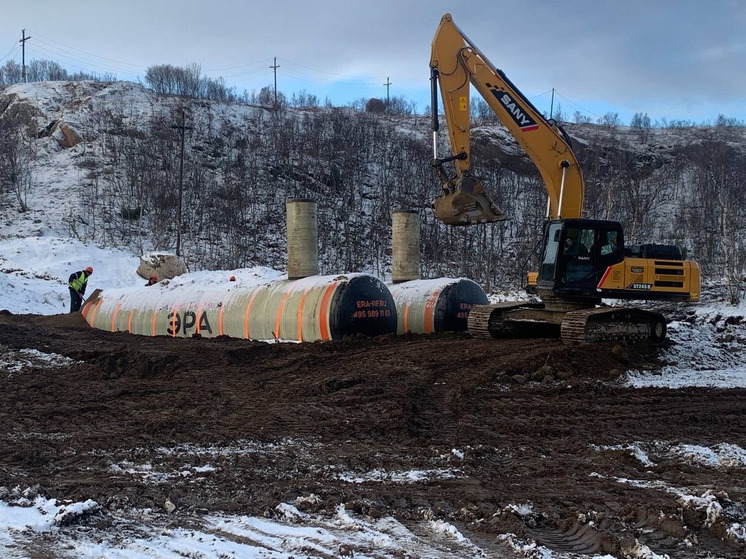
324 313
603 279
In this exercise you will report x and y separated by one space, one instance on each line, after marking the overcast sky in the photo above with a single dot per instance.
672 59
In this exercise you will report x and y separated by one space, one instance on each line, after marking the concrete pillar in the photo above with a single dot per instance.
405 246
303 238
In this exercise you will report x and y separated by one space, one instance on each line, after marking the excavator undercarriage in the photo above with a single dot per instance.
587 325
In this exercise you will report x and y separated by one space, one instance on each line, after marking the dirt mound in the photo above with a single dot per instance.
525 437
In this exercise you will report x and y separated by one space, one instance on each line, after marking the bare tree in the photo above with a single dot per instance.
610 120
641 122
10 73
16 156
720 174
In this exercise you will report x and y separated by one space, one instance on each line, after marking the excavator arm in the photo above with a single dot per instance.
455 63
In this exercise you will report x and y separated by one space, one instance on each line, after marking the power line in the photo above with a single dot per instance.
334 76
11 52
532 97
69 55
249 65
71 62
339 82
64 46
576 105
76 60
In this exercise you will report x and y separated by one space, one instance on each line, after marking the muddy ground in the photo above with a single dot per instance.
527 437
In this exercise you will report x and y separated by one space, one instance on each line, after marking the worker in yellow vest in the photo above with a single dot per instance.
77 283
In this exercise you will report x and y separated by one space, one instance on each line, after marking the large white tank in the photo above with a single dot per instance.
308 309
435 305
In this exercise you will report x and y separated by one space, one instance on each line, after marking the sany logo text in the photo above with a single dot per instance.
523 120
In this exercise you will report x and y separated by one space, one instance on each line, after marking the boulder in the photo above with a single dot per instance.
164 265
66 137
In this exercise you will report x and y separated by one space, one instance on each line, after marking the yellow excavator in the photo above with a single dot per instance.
583 260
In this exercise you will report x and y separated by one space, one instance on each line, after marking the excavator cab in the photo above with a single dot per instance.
577 253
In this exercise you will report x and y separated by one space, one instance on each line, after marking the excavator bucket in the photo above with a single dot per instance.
464 202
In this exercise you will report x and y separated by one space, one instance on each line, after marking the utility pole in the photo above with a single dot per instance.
551 106
182 129
387 84
23 54
275 67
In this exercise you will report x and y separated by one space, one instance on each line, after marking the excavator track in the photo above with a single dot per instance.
610 324
491 321
517 320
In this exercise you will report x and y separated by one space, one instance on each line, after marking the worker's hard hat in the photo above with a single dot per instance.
89 270
233 278
154 277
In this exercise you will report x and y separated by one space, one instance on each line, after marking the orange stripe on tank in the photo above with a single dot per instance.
300 315
95 311
246 315
199 314
84 312
129 321
406 318
324 313
430 313
279 315
114 317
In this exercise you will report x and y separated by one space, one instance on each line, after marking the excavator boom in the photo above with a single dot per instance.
456 63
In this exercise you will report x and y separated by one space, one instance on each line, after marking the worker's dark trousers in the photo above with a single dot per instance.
75 300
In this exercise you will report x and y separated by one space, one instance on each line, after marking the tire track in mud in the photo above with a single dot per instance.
580 538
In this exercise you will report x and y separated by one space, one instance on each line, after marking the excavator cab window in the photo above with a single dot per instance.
610 243
578 256
553 236
577 252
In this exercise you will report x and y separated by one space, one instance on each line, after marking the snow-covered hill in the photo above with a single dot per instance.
98 153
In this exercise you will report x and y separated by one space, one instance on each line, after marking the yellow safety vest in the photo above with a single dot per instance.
78 283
